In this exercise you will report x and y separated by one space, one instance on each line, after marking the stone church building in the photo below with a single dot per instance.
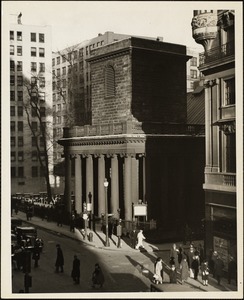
139 138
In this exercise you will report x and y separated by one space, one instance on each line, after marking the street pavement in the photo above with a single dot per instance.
97 239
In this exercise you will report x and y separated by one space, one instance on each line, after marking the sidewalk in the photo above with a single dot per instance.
98 241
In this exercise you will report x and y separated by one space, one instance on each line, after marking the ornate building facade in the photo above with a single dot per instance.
215 31
139 139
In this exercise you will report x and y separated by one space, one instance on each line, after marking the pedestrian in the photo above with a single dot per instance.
173 274
158 271
97 276
59 260
75 274
214 258
133 237
184 269
140 238
232 270
205 272
195 266
72 223
218 268
36 255
180 254
190 255
174 255
201 253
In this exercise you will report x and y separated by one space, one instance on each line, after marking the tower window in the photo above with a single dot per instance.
109 81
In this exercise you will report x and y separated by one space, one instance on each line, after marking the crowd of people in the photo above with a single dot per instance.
192 263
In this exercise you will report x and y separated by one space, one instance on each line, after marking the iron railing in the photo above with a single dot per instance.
217 53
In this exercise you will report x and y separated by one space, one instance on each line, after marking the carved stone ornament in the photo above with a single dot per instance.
228 128
205 20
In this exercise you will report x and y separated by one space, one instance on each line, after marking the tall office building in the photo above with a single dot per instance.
30 80
215 31
193 75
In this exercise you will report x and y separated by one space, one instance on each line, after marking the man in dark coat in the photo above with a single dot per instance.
36 255
218 268
60 259
97 276
76 270
232 270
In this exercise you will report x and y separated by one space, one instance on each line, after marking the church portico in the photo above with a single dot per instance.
117 159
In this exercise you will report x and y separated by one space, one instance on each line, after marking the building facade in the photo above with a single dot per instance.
215 31
30 61
193 75
138 139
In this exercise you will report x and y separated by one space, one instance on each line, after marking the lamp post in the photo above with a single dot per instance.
106 211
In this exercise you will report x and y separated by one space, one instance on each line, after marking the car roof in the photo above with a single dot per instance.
26 228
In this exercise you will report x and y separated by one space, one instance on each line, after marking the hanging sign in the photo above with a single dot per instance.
140 210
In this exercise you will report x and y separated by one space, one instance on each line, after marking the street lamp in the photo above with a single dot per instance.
106 211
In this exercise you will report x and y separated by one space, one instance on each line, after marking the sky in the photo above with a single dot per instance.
75 21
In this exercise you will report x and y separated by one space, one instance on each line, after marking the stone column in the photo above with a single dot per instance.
114 185
101 189
127 188
78 184
134 179
67 196
207 128
89 178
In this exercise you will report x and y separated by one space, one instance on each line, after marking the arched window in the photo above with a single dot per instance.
109 81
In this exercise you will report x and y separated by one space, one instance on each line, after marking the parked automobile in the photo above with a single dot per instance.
27 237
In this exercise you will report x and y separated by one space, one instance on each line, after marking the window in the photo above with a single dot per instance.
19 50
229 89
69 69
12 141
42 82
87 50
13 156
20 141
12 79
109 81
75 54
53 62
231 153
63 59
20 111
11 35
19 36
34 155
59 107
64 83
33 141
12 126
20 126
58 120
11 65
54 85
20 156
54 97
19 65
64 70
69 57
58 72
34 126
12 95
41 141
193 74
192 84
33 37
21 172
20 80
13 172
42 171
42 67
81 52
75 67
33 51
41 38
33 112
42 111
20 95
193 61
58 60
12 111
41 52
34 171
42 96
33 81
33 66
11 50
